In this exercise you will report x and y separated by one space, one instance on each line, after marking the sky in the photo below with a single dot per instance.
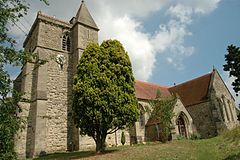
168 41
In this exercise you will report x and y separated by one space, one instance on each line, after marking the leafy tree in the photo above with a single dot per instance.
9 125
232 59
10 12
104 99
162 113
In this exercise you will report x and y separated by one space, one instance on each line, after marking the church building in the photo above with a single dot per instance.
204 105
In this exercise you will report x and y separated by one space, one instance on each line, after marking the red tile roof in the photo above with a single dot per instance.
193 91
190 92
148 91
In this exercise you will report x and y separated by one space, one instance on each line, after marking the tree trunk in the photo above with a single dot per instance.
100 143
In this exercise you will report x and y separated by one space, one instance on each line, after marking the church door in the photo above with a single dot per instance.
181 126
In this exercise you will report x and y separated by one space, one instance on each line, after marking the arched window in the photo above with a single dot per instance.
221 109
225 107
141 116
231 109
66 43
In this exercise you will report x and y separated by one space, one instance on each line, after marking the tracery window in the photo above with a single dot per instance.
221 109
231 109
66 43
225 108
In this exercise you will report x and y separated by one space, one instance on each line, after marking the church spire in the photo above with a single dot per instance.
84 17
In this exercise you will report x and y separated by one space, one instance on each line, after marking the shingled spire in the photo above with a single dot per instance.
84 17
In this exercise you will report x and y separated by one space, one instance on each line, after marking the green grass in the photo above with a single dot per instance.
224 147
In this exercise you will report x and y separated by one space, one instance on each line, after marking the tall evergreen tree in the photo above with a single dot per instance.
232 65
104 96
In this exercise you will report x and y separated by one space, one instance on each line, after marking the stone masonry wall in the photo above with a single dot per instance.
85 35
225 101
50 35
202 119
32 40
57 102
26 77
180 109
48 111
87 143
139 128
115 138
21 136
36 128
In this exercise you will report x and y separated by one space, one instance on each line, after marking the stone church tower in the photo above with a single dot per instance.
47 88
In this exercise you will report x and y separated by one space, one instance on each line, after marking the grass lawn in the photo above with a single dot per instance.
224 147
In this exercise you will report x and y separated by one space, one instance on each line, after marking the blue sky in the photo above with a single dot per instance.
211 34
168 41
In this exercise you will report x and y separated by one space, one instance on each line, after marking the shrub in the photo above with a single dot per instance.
180 137
123 140
195 136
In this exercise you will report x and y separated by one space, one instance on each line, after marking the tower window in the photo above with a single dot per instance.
66 43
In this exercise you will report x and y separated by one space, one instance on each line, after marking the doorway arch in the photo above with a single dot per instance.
181 123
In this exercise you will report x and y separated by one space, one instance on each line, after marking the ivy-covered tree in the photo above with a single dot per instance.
162 113
10 12
232 65
104 96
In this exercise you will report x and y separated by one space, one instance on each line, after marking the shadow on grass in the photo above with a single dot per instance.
233 157
73 155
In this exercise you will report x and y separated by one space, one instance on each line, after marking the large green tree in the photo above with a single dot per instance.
10 12
232 65
104 95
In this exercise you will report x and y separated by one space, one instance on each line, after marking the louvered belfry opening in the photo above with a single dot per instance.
66 43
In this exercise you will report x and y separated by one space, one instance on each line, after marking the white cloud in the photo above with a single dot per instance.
135 42
123 20
170 37
142 47
136 8
200 6
181 12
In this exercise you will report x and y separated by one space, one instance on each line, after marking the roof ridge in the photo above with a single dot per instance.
153 84
143 89
194 79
